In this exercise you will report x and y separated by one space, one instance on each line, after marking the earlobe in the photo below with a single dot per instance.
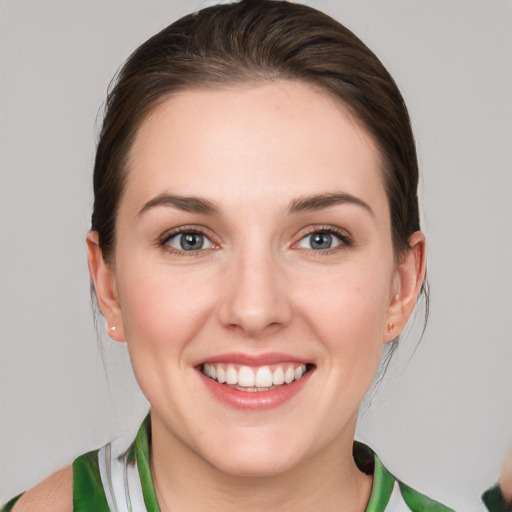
409 276
103 277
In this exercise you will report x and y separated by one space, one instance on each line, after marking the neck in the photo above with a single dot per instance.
327 481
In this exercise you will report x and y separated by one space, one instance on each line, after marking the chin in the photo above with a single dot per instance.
255 457
257 467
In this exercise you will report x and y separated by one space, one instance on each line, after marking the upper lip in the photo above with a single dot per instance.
253 359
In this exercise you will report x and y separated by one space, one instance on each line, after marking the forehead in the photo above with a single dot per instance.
252 142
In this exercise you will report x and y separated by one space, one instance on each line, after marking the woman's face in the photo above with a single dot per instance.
254 238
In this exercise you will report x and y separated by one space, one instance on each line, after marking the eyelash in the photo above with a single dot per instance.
164 241
344 239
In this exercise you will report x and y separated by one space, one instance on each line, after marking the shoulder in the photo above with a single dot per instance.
78 488
54 494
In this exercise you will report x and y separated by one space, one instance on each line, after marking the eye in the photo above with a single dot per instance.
188 241
322 240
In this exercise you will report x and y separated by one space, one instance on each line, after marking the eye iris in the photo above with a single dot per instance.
191 241
321 241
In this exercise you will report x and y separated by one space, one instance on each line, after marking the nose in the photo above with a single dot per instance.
256 294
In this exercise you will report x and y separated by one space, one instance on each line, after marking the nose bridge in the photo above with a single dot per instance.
256 296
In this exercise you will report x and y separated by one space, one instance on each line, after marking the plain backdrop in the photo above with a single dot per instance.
441 421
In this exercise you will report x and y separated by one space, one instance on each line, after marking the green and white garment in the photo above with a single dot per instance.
107 481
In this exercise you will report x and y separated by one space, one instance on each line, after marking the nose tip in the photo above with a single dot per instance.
252 322
255 298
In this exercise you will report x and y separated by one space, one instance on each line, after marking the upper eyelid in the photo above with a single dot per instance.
170 233
343 233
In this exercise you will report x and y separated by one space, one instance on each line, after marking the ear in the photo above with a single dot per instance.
408 279
103 277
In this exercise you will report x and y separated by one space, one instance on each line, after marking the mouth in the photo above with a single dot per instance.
255 384
255 379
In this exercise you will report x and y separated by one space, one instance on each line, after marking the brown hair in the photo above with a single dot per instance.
254 41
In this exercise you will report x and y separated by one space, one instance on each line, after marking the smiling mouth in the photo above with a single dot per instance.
255 379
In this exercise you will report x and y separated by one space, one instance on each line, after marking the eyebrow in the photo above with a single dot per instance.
322 201
191 204
194 204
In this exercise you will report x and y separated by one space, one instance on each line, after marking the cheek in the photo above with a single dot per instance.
354 298
163 311
163 307
348 310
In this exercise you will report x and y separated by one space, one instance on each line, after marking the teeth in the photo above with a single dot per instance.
289 375
263 377
278 377
231 375
221 375
245 377
254 379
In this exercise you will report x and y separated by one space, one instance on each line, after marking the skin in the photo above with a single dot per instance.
258 286
506 477
54 493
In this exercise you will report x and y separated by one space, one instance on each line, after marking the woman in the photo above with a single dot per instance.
256 241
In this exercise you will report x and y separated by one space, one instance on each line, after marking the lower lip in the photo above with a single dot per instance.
255 400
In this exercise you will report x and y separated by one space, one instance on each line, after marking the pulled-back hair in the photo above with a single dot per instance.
256 41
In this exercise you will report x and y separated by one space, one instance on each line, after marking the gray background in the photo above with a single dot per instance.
441 421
